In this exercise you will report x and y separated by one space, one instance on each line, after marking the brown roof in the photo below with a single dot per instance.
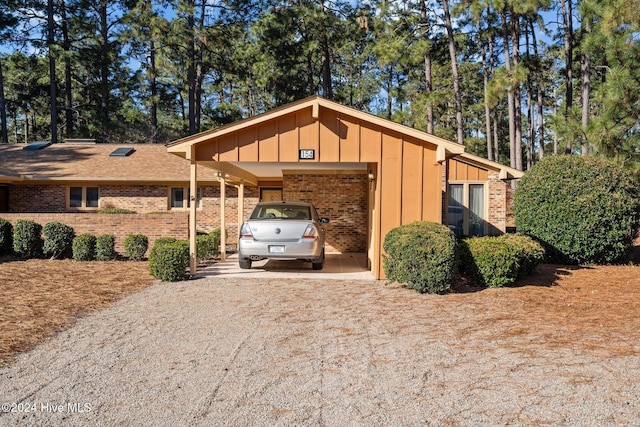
91 162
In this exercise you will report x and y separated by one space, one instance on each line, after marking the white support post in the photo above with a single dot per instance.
240 206
193 205
223 222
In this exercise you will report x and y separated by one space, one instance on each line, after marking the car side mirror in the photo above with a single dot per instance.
324 220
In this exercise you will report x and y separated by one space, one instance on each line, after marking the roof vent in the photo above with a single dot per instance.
38 145
122 152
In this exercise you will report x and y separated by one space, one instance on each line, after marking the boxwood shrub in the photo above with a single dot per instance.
27 239
105 247
421 255
499 261
582 209
58 238
84 247
135 246
6 237
169 259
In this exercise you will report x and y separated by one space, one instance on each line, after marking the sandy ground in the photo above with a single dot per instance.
272 352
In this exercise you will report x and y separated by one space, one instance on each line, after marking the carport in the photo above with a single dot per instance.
374 174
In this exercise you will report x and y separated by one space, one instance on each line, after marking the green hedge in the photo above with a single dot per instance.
105 247
84 247
422 255
58 238
582 209
499 261
27 239
6 237
135 246
169 259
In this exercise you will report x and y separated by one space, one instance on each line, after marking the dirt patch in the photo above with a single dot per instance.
39 297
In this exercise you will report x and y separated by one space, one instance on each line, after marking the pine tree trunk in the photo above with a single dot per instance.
52 72
487 109
428 85
585 68
510 94
567 18
454 72
3 110
104 59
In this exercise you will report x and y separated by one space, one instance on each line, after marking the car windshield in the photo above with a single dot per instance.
281 212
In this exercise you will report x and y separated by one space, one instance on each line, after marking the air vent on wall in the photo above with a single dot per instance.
38 145
122 152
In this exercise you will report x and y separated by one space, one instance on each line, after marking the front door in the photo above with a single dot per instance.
271 194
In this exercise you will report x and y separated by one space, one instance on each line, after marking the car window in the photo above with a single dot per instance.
281 212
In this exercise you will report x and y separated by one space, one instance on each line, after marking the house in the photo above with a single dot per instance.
365 173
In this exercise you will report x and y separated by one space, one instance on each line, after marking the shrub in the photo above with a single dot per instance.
153 259
58 238
582 209
6 237
84 247
27 239
135 246
499 261
207 247
215 241
105 247
422 255
117 211
168 261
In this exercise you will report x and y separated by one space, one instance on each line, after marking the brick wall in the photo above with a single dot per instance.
120 225
139 198
343 198
497 204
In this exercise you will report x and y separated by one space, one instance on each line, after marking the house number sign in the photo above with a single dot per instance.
307 154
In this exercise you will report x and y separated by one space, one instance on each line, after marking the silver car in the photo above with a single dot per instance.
282 230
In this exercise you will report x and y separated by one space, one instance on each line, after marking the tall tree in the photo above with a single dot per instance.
7 22
454 71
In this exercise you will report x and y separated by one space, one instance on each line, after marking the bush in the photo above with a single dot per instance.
168 261
135 246
207 246
117 211
582 209
105 247
27 239
58 238
84 247
422 255
6 237
499 261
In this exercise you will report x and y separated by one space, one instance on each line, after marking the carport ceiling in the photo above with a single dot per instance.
274 169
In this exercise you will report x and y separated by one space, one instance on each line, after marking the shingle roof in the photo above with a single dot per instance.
92 163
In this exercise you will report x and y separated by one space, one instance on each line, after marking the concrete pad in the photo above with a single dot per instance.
350 266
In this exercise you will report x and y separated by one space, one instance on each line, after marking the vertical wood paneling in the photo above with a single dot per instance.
308 129
412 183
370 139
228 148
329 136
247 145
288 136
432 185
268 142
390 184
207 151
349 139
460 171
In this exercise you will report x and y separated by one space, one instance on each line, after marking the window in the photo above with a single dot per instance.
84 198
180 198
466 209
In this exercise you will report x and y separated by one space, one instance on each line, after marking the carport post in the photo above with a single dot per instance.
193 199
240 206
223 225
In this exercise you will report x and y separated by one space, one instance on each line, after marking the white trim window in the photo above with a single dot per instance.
467 209
179 197
83 197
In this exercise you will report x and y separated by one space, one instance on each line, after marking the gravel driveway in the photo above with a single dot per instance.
288 352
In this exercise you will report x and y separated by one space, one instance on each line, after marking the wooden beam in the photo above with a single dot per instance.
223 222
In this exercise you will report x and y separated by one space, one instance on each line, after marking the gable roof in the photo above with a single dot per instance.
181 146
92 162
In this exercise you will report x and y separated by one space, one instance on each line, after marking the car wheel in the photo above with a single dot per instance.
317 265
245 264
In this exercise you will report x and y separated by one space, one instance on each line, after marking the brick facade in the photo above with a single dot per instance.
497 211
343 198
120 225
